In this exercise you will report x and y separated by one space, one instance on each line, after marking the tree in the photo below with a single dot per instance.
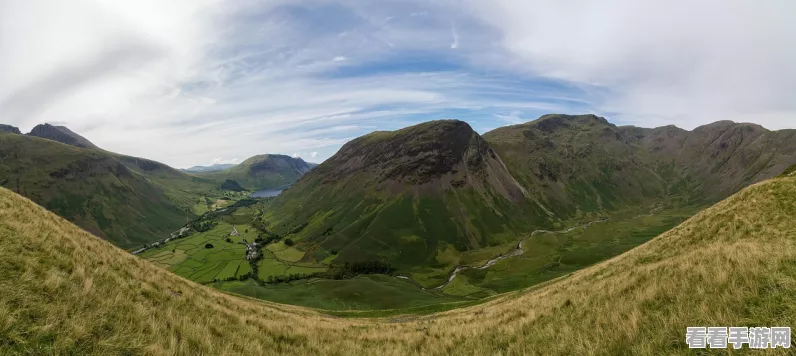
289 242
209 246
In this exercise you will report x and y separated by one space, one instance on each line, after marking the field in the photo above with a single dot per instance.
547 256
67 292
550 255
219 200
189 258
370 292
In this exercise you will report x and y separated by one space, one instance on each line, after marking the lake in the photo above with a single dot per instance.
267 193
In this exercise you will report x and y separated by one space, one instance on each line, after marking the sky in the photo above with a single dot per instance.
198 82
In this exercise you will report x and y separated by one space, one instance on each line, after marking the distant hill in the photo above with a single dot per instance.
576 164
9 129
61 134
584 163
127 200
718 159
66 292
406 196
213 168
262 172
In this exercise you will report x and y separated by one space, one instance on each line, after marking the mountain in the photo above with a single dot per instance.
213 168
61 134
583 163
407 197
9 129
66 292
717 159
577 164
429 197
262 172
127 200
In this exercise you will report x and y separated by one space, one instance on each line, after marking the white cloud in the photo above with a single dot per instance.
455 35
187 81
661 62
512 118
296 155
225 161
314 154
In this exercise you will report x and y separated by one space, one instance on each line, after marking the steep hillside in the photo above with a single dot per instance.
415 197
584 163
576 164
62 135
67 292
10 129
263 172
720 158
97 190
182 189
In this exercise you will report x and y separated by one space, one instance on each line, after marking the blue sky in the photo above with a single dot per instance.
196 82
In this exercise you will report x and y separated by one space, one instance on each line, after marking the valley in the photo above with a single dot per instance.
432 218
94 298
290 274
397 178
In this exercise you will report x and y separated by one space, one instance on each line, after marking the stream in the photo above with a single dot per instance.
516 251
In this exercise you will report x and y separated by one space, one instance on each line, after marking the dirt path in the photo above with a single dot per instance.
516 251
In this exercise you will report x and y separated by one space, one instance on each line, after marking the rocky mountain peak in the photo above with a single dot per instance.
9 128
62 135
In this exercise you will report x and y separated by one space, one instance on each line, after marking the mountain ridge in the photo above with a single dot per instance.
404 196
211 168
61 134
10 129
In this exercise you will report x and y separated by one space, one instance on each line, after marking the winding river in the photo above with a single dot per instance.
516 251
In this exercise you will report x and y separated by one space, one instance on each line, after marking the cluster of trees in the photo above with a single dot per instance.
352 269
292 277
263 239
264 232
343 271
203 225
244 203
242 277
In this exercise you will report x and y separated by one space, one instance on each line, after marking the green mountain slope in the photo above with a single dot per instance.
182 189
127 200
722 157
576 164
67 292
409 197
584 163
262 172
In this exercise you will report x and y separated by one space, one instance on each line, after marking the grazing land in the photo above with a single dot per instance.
67 292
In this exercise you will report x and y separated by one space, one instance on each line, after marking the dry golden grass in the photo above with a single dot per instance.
64 291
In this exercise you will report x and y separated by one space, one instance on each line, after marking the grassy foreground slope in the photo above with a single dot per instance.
67 292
